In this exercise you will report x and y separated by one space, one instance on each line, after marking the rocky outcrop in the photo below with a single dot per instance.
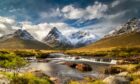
113 70
116 80
83 67
70 64
4 79
79 66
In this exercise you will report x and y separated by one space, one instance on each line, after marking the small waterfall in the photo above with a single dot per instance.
113 61
95 60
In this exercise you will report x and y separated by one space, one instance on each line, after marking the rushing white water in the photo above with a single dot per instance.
95 60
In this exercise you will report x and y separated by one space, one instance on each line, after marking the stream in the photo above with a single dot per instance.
56 68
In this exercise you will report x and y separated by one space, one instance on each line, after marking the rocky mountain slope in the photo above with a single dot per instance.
76 39
55 39
82 38
133 25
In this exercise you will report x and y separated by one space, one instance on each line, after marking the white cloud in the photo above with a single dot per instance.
107 25
115 3
39 31
90 12
52 13
72 13
7 25
7 20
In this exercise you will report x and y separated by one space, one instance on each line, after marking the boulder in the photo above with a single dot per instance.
123 74
39 73
77 57
83 67
4 79
70 64
116 80
113 70
79 66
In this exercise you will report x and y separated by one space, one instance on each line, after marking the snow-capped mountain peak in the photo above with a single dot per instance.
55 32
82 38
56 39
23 34
133 25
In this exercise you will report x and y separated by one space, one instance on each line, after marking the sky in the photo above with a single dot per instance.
39 16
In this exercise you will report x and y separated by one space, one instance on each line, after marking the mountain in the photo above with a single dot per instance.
133 25
56 39
21 39
82 38
128 35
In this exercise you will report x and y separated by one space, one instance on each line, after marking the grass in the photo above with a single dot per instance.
135 77
86 82
17 43
128 67
28 52
127 41
114 52
29 78
26 78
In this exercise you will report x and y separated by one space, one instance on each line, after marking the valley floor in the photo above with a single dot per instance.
126 71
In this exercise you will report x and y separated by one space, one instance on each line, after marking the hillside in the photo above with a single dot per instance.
21 39
126 40
128 36
17 43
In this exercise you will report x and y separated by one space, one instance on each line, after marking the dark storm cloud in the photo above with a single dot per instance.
30 9
130 7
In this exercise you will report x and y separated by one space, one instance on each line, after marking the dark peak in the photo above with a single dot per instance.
84 32
54 28
54 31
134 19
20 31
23 34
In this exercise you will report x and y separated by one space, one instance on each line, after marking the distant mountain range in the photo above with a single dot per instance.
82 38
123 36
54 40
77 39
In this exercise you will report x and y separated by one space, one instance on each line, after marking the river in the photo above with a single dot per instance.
56 68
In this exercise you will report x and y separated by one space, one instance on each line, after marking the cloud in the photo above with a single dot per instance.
107 24
99 16
7 25
41 30
90 12
52 13
115 3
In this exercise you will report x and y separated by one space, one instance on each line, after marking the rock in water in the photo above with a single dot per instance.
83 67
